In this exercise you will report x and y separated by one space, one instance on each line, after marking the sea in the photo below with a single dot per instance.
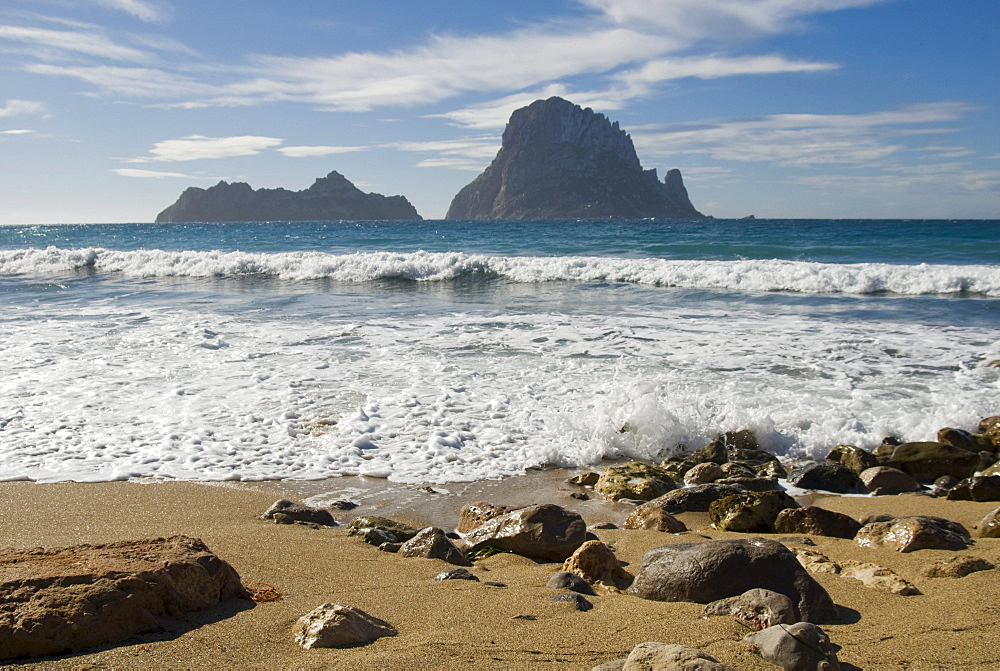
451 351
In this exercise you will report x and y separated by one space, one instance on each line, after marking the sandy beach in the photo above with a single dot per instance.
461 624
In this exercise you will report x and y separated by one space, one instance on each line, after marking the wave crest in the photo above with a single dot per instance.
738 275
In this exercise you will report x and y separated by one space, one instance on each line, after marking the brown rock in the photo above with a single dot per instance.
634 480
702 473
431 543
989 526
284 511
852 457
653 655
546 532
694 499
336 626
816 521
928 461
654 518
596 563
878 577
752 512
883 480
474 514
908 534
55 600
976 488
755 609
958 566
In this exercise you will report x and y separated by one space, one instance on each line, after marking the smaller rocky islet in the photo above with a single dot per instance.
764 583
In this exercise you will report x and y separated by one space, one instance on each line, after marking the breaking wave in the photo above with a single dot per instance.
737 275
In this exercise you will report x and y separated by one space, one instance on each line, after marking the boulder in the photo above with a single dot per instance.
989 526
965 440
653 518
928 461
799 647
742 441
336 626
816 562
827 476
854 458
634 480
976 488
546 532
755 609
588 479
702 473
570 581
713 453
770 469
752 484
432 543
706 572
596 563
654 656
737 469
958 566
883 480
816 521
54 600
284 511
694 499
752 512
992 470
473 514
386 530
908 534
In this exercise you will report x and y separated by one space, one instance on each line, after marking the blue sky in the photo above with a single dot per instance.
779 108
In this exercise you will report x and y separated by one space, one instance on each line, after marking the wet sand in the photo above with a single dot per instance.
462 624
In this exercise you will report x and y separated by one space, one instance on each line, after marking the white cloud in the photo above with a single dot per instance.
195 147
306 152
16 107
17 131
453 163
130 82
471 147
799 139
54 44
144 11
154 174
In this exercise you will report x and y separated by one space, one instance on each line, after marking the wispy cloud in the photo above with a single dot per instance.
16 107
60 44
800 139
148 174
144 11
17 131
130 82
318 150
195 147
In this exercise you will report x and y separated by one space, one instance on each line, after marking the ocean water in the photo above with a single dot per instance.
457 351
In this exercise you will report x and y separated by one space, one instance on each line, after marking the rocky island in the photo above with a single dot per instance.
329 198
559 160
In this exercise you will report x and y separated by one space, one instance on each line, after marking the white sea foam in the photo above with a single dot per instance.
740 275
104 389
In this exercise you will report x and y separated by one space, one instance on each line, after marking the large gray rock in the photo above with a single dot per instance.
432 543
852 457
558 160
753 512
655 656
908 534
653 518
928 461
696 499
376 530
473 514
329 198
63 599
335 626
547 532
706 572
799 647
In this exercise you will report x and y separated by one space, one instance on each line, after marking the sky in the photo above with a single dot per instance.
109 109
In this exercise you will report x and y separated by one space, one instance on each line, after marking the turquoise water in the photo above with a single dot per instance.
439 351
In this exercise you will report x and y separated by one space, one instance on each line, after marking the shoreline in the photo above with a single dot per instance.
457 624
